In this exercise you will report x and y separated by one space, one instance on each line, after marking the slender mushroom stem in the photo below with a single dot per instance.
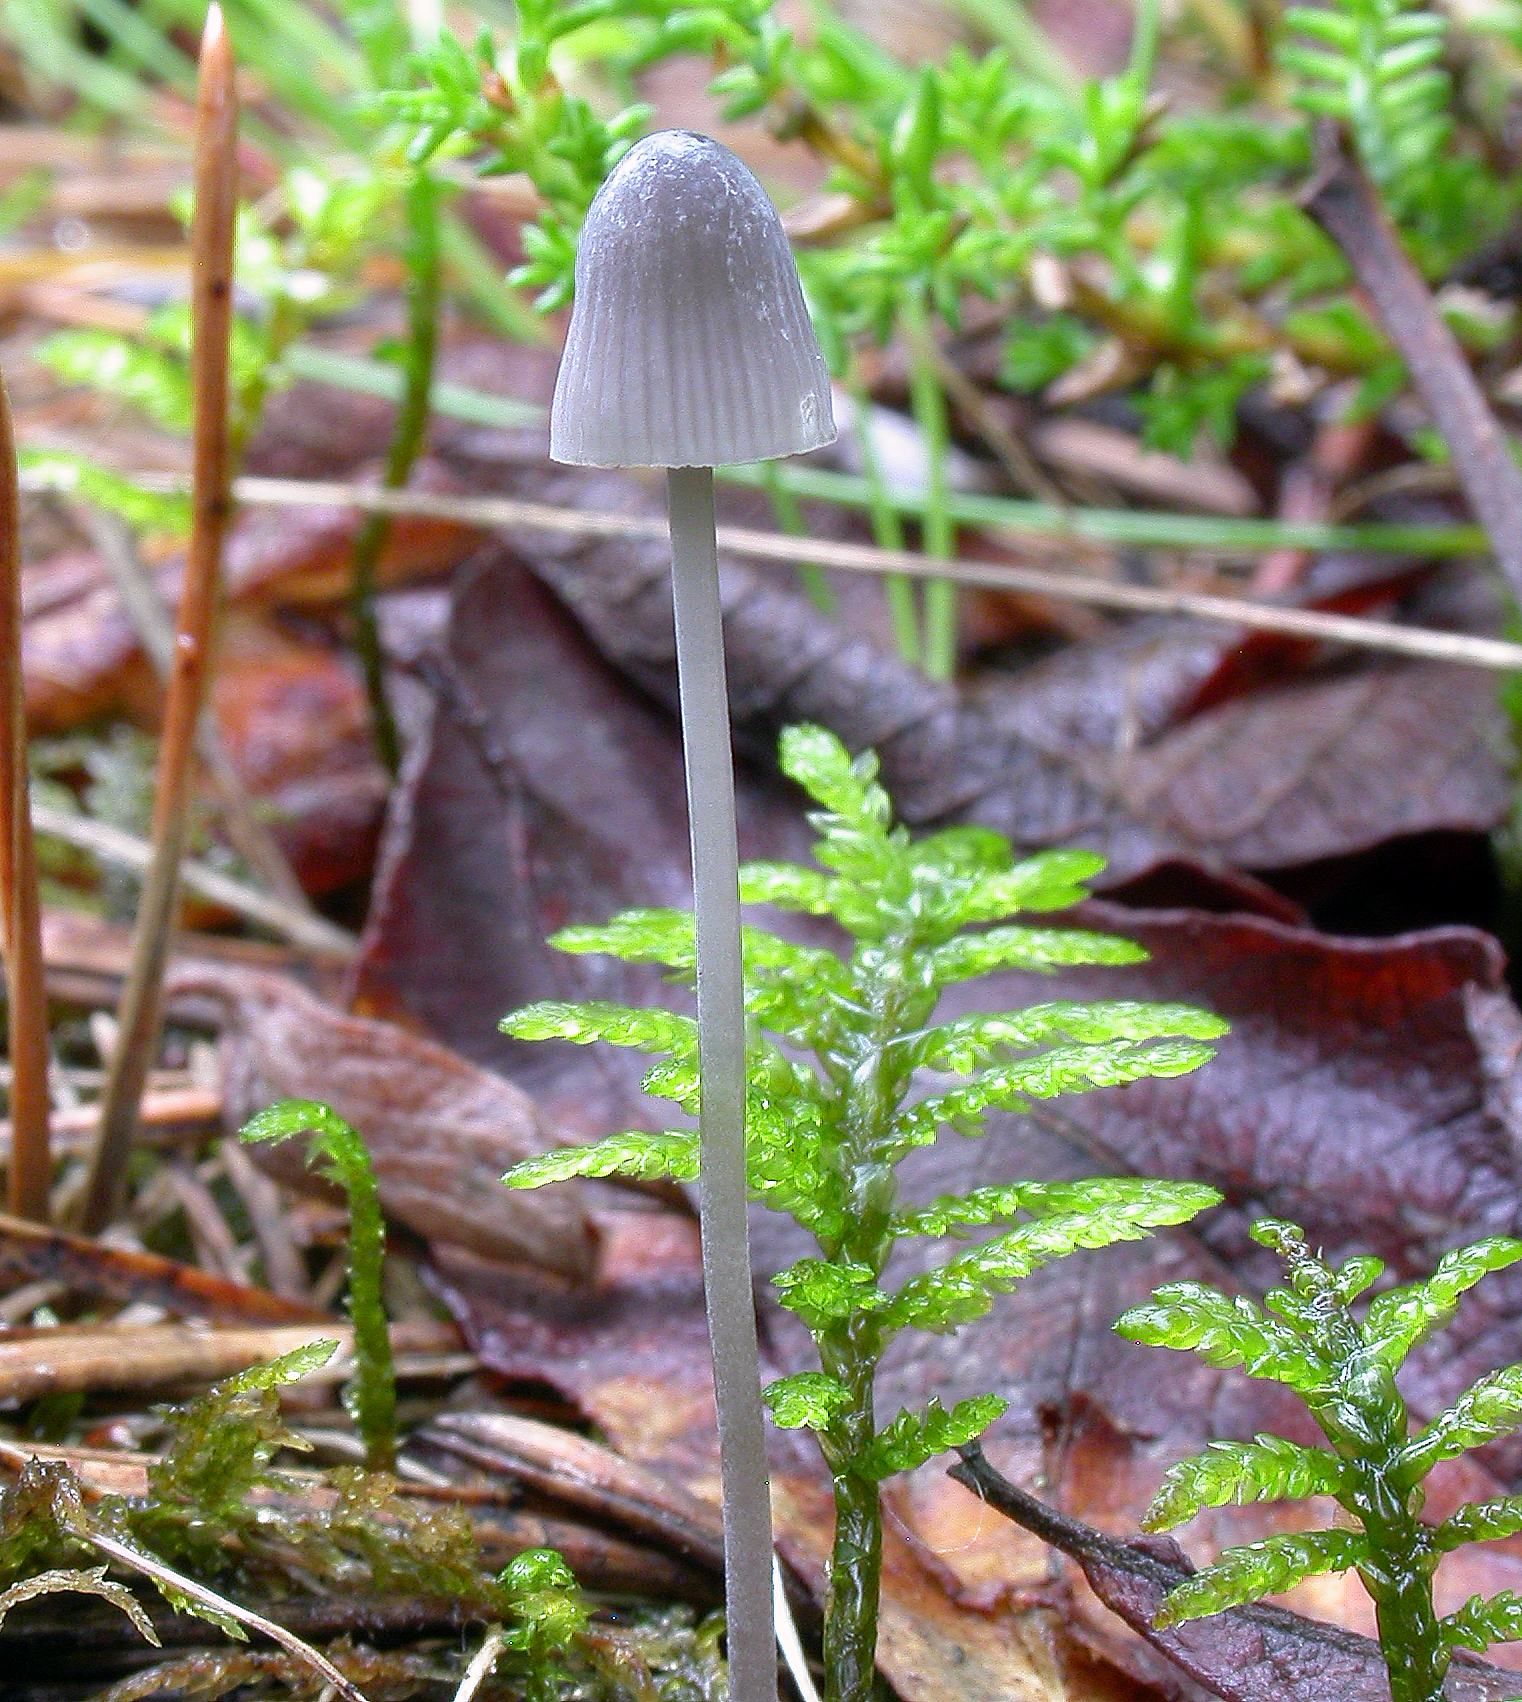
31 1169
211 262
721 1048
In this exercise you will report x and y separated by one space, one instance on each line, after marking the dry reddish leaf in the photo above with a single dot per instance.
81 654
1076 750
303 555
294 725
1368 1090
80 657
440 1132
546 792
1351 1094
1326 766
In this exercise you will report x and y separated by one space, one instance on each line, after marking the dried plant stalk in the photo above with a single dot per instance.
1464 648
31 1169
211 260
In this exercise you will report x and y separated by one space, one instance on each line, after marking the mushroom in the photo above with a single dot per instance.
690 347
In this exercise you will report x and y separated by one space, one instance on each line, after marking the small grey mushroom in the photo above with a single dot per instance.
690 344
690 347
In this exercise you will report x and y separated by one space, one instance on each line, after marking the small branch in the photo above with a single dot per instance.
31 1167
1246 1654
1346 205
1388 636
211 244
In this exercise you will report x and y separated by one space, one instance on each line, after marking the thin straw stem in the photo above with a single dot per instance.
31 1168
151 1566
1461 647
721 1046
211 253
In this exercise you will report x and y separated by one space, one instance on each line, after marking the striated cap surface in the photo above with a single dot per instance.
690 345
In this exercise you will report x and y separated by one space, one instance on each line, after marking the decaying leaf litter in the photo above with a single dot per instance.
1239 787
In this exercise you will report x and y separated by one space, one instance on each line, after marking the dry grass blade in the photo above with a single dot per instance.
31 1169
315 935
137 1561
211 259
481 1663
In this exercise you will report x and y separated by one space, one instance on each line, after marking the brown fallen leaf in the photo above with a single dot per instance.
440 1131
546 792
294 726
81 655
1280 779
1369 1090
302 555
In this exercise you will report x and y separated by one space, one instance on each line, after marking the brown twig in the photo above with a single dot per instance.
31 1167
211 258
1256 1653
1461 647
1346 205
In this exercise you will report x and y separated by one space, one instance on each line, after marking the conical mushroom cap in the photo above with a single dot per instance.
690 345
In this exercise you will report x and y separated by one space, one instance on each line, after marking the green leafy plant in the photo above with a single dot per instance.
1308 1336
371 1397
1184 263
1376 66
219 1511
824 1138
1127 246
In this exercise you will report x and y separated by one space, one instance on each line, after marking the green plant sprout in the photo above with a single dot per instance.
371 1397
824 1139
1308 1337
